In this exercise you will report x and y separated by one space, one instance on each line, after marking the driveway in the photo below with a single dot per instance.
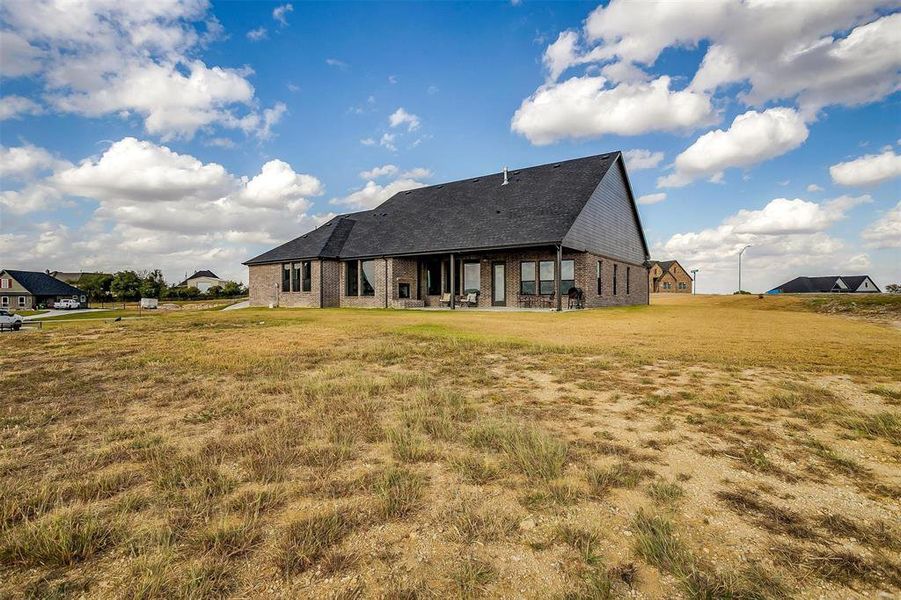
57 313
238 305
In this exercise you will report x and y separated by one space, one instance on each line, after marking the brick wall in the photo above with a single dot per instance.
265 281
265 287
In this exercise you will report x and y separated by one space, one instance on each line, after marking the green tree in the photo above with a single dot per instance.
96 286
232 289
152 284
126 285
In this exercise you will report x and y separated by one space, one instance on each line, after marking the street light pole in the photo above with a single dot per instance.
742 251
694 282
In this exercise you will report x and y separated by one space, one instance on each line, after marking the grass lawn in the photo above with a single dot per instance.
700 447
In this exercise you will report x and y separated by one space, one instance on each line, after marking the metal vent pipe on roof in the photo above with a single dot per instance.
505 177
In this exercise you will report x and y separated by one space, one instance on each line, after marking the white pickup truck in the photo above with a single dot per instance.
9 320
66 304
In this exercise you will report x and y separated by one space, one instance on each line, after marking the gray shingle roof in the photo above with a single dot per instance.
42 284
818 285
538 206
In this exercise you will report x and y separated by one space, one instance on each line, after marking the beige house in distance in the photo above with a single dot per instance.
202 280
668 277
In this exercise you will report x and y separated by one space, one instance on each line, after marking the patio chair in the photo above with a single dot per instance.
444 300
471 299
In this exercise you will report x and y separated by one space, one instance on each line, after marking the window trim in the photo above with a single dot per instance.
614 278
573 280
360 270
533 281
4 301
551 280
351 281
20 301
295 277
600 277
478 265
306 276
286 283
628 283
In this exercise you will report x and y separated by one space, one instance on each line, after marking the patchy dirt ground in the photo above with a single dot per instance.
397 454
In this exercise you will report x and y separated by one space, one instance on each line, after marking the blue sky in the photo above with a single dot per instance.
191 135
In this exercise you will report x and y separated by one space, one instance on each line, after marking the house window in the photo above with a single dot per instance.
546 277
403 290
5 283
295 277
567 276
527 277
352 278
367 281
4 301
286 278
628 279
21 301
472 277
433 277
614 278
306 276
599 269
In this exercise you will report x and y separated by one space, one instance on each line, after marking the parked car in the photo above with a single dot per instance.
9 320
66 304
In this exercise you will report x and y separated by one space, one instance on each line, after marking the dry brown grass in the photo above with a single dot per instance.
350 454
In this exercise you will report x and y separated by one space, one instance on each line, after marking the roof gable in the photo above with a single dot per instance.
822 285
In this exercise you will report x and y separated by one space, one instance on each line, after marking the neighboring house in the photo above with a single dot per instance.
828 285
72 278
202 280
26 290
513 238
668 276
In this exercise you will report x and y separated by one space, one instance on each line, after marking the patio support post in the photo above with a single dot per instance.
453 296
557 274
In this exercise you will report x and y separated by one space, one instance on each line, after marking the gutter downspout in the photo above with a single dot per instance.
386 281
557 275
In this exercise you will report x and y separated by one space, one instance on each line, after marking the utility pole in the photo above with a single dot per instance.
694 284
742 251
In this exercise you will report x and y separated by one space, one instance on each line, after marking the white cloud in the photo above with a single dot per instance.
373 194
562 54
432 90
255 35
368 141
885 232
376 172
124 59
280 13
788 238
13 107
784 216
814 188
22 162
821 53
753 137
387 141
417 173
639 159
33 197
584 107
652 198
402 117
338 64
871 169
19 56
392 79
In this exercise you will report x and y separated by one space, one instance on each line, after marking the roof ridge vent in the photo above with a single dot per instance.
506 181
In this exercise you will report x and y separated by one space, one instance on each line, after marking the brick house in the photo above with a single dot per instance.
512 238
26 290
830 284
668 277
202 280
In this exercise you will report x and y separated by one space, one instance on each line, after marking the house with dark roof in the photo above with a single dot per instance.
522 237
202 280
26 290
830 284
669 277
72 277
